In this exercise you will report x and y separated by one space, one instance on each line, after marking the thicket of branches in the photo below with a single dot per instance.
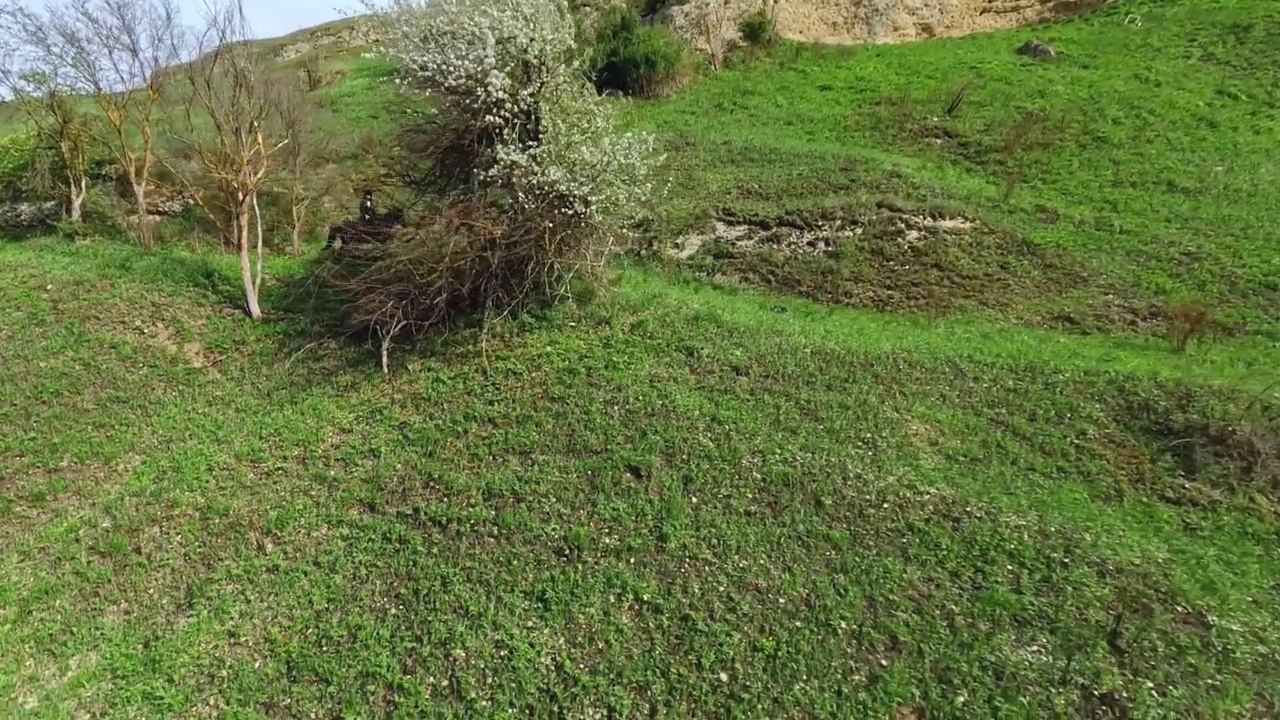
531 182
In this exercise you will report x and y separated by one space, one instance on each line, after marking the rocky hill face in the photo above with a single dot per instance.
857 21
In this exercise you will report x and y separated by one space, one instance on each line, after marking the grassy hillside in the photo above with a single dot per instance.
1148 179
352 108
926 498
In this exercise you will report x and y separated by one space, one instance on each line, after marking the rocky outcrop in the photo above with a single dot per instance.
859 21
19 215
335 37
25 215
169 202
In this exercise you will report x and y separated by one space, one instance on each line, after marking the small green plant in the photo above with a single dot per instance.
18 155
577 543
637 59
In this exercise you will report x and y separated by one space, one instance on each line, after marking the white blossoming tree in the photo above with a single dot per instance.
511 72
517 142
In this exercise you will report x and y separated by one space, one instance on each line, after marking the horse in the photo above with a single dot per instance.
377 229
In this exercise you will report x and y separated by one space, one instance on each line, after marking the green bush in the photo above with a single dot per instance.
652 7
18 156
31 168
637 59
759 30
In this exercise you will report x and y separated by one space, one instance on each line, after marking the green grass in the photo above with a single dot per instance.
687 499
614 510
1151 178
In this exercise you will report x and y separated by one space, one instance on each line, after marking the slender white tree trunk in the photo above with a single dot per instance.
140 206
78 188
299 216
257 221
246 264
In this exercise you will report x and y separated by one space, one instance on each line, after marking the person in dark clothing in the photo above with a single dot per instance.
366 206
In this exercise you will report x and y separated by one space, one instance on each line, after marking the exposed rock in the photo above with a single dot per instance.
818 238
859 21
291 51
1036 49
29 214
169 204
360 34
753 237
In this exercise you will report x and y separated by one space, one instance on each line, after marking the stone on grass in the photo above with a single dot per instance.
1036 49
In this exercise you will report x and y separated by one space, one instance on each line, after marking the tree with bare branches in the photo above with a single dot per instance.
117 53
58 123
714 27
228 104
301 159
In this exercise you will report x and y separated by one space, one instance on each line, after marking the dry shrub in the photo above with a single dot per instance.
1037 130
897 109
1011 178
470 259
1186 322
958 96
439 154
314 75
1024 132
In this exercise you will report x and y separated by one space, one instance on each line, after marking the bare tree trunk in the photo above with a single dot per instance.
246 264
299 216
140 205
77 189
710 24
257 220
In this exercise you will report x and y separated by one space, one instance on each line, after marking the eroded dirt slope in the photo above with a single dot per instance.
855 21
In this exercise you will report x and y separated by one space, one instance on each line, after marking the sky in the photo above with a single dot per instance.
273 18
269 18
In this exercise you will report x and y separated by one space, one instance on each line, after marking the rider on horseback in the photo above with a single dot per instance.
368 227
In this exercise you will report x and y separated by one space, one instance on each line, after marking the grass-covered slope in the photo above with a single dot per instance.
1137 168
683 500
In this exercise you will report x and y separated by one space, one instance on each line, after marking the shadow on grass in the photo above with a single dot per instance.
212 275
306 320
23 234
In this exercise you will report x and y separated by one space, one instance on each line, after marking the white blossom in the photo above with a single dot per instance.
505 64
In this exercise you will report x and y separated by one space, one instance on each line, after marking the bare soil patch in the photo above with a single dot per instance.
879 21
